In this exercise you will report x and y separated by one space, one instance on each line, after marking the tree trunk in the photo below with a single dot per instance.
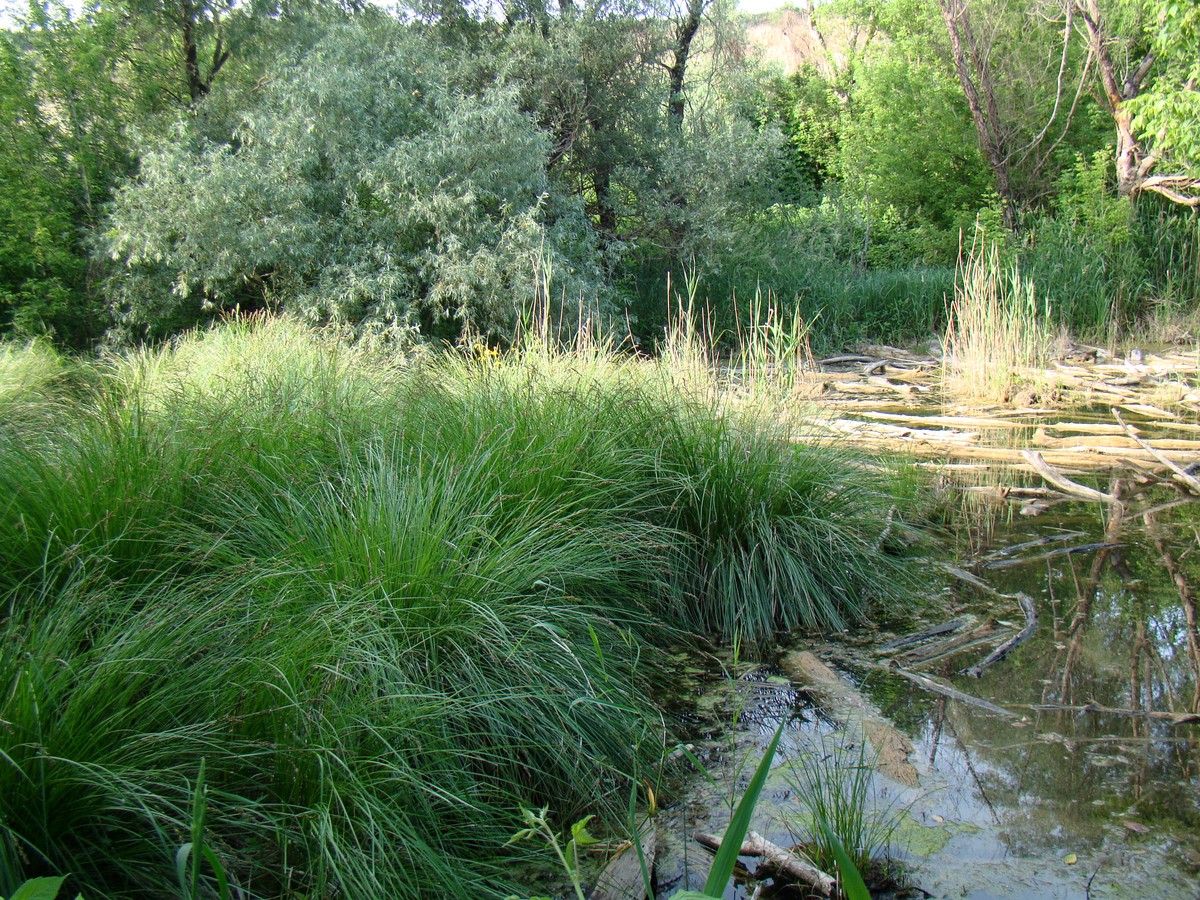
685 33
971 65
191 56
198 86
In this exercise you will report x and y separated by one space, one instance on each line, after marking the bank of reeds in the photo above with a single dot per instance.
385 605
998 330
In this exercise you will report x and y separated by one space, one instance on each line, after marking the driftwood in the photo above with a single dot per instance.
1031 624
622 876
845 703
1184 478
1063 483
936 687
777 859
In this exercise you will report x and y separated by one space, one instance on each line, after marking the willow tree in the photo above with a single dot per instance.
362 188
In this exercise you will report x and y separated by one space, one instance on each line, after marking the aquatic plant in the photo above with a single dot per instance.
846 829
997 329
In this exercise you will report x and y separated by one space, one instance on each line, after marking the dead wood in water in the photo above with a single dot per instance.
1031 624
934 686
925 634
1183 477
920 656
848 705
777 859
1173 718
1077 550
1064 484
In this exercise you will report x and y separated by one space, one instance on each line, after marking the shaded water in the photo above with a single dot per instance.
1091 787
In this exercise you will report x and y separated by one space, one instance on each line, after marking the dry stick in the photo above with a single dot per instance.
1063 483
1188 481
777 858
1173 718
944 690
1031 624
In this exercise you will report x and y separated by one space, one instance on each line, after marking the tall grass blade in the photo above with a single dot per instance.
850 880
739 824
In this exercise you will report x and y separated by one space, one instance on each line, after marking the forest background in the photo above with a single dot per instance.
447 167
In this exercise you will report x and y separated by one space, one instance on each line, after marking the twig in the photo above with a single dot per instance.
1031 624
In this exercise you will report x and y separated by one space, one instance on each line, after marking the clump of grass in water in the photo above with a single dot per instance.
835 782
997 330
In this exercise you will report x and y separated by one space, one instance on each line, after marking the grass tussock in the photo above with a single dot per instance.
997 330
385 606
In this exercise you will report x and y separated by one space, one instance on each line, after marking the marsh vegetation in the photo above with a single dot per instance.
384 604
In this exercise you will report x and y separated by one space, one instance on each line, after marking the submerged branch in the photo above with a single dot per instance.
1181 476
1063 483
1031 624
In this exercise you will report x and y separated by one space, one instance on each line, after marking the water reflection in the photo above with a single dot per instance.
1091 787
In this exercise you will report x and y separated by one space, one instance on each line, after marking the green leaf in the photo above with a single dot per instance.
853 886
722 867
690 895
39 888
580 834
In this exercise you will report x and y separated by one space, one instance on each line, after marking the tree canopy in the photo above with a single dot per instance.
446 168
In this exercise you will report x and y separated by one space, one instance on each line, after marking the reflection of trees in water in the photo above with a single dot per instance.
1150 687
1115 667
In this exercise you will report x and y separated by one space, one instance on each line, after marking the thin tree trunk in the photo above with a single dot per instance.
971 65
685 33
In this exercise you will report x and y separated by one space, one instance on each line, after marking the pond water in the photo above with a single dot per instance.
1087 784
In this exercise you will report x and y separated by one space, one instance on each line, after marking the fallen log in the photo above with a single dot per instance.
1183 477
777 859
1031 624
849 706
